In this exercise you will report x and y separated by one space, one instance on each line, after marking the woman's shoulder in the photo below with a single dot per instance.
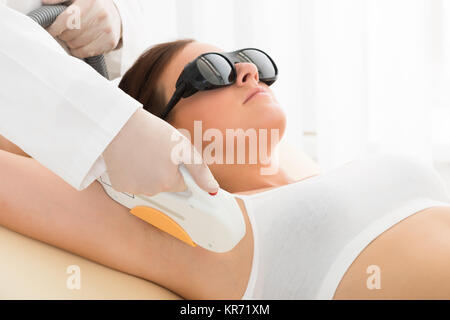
369 169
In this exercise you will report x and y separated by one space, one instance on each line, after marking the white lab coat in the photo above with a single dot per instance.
54 106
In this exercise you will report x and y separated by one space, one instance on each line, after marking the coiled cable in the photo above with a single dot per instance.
47 14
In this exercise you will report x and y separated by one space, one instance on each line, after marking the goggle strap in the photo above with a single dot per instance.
173 101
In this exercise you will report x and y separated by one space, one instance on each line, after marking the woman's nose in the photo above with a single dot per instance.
246 72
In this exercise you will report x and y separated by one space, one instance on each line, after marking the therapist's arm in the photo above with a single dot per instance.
52 105
76 123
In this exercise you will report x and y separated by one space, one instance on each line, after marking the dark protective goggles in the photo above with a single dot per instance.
215 70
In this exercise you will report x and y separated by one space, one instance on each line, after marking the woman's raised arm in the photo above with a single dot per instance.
37 203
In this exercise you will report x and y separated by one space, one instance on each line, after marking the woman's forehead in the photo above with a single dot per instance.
192 51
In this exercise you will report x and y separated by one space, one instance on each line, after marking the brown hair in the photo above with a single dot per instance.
141 80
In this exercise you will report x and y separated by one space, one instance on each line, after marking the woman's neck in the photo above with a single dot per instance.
237 178
248 179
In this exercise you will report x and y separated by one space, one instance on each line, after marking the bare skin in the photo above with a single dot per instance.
7 145
413 255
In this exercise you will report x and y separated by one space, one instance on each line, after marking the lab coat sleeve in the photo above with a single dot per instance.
144 22
54 106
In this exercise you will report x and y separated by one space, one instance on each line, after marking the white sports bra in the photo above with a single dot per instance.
306 234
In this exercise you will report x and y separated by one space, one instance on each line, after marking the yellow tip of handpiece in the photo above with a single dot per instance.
163 222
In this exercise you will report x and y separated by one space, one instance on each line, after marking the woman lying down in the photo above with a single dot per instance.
376 228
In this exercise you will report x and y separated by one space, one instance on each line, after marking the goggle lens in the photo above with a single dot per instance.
216 69
266 68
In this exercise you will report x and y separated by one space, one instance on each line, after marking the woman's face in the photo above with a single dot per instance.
224 108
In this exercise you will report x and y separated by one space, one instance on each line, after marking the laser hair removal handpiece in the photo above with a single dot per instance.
194 216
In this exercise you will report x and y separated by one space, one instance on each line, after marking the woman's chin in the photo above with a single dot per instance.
270 117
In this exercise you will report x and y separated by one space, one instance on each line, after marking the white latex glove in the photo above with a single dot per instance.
139 160
100 27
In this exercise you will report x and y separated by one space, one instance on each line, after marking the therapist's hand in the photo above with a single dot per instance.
99 31
140 158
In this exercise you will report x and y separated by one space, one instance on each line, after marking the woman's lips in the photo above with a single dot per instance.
253 92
